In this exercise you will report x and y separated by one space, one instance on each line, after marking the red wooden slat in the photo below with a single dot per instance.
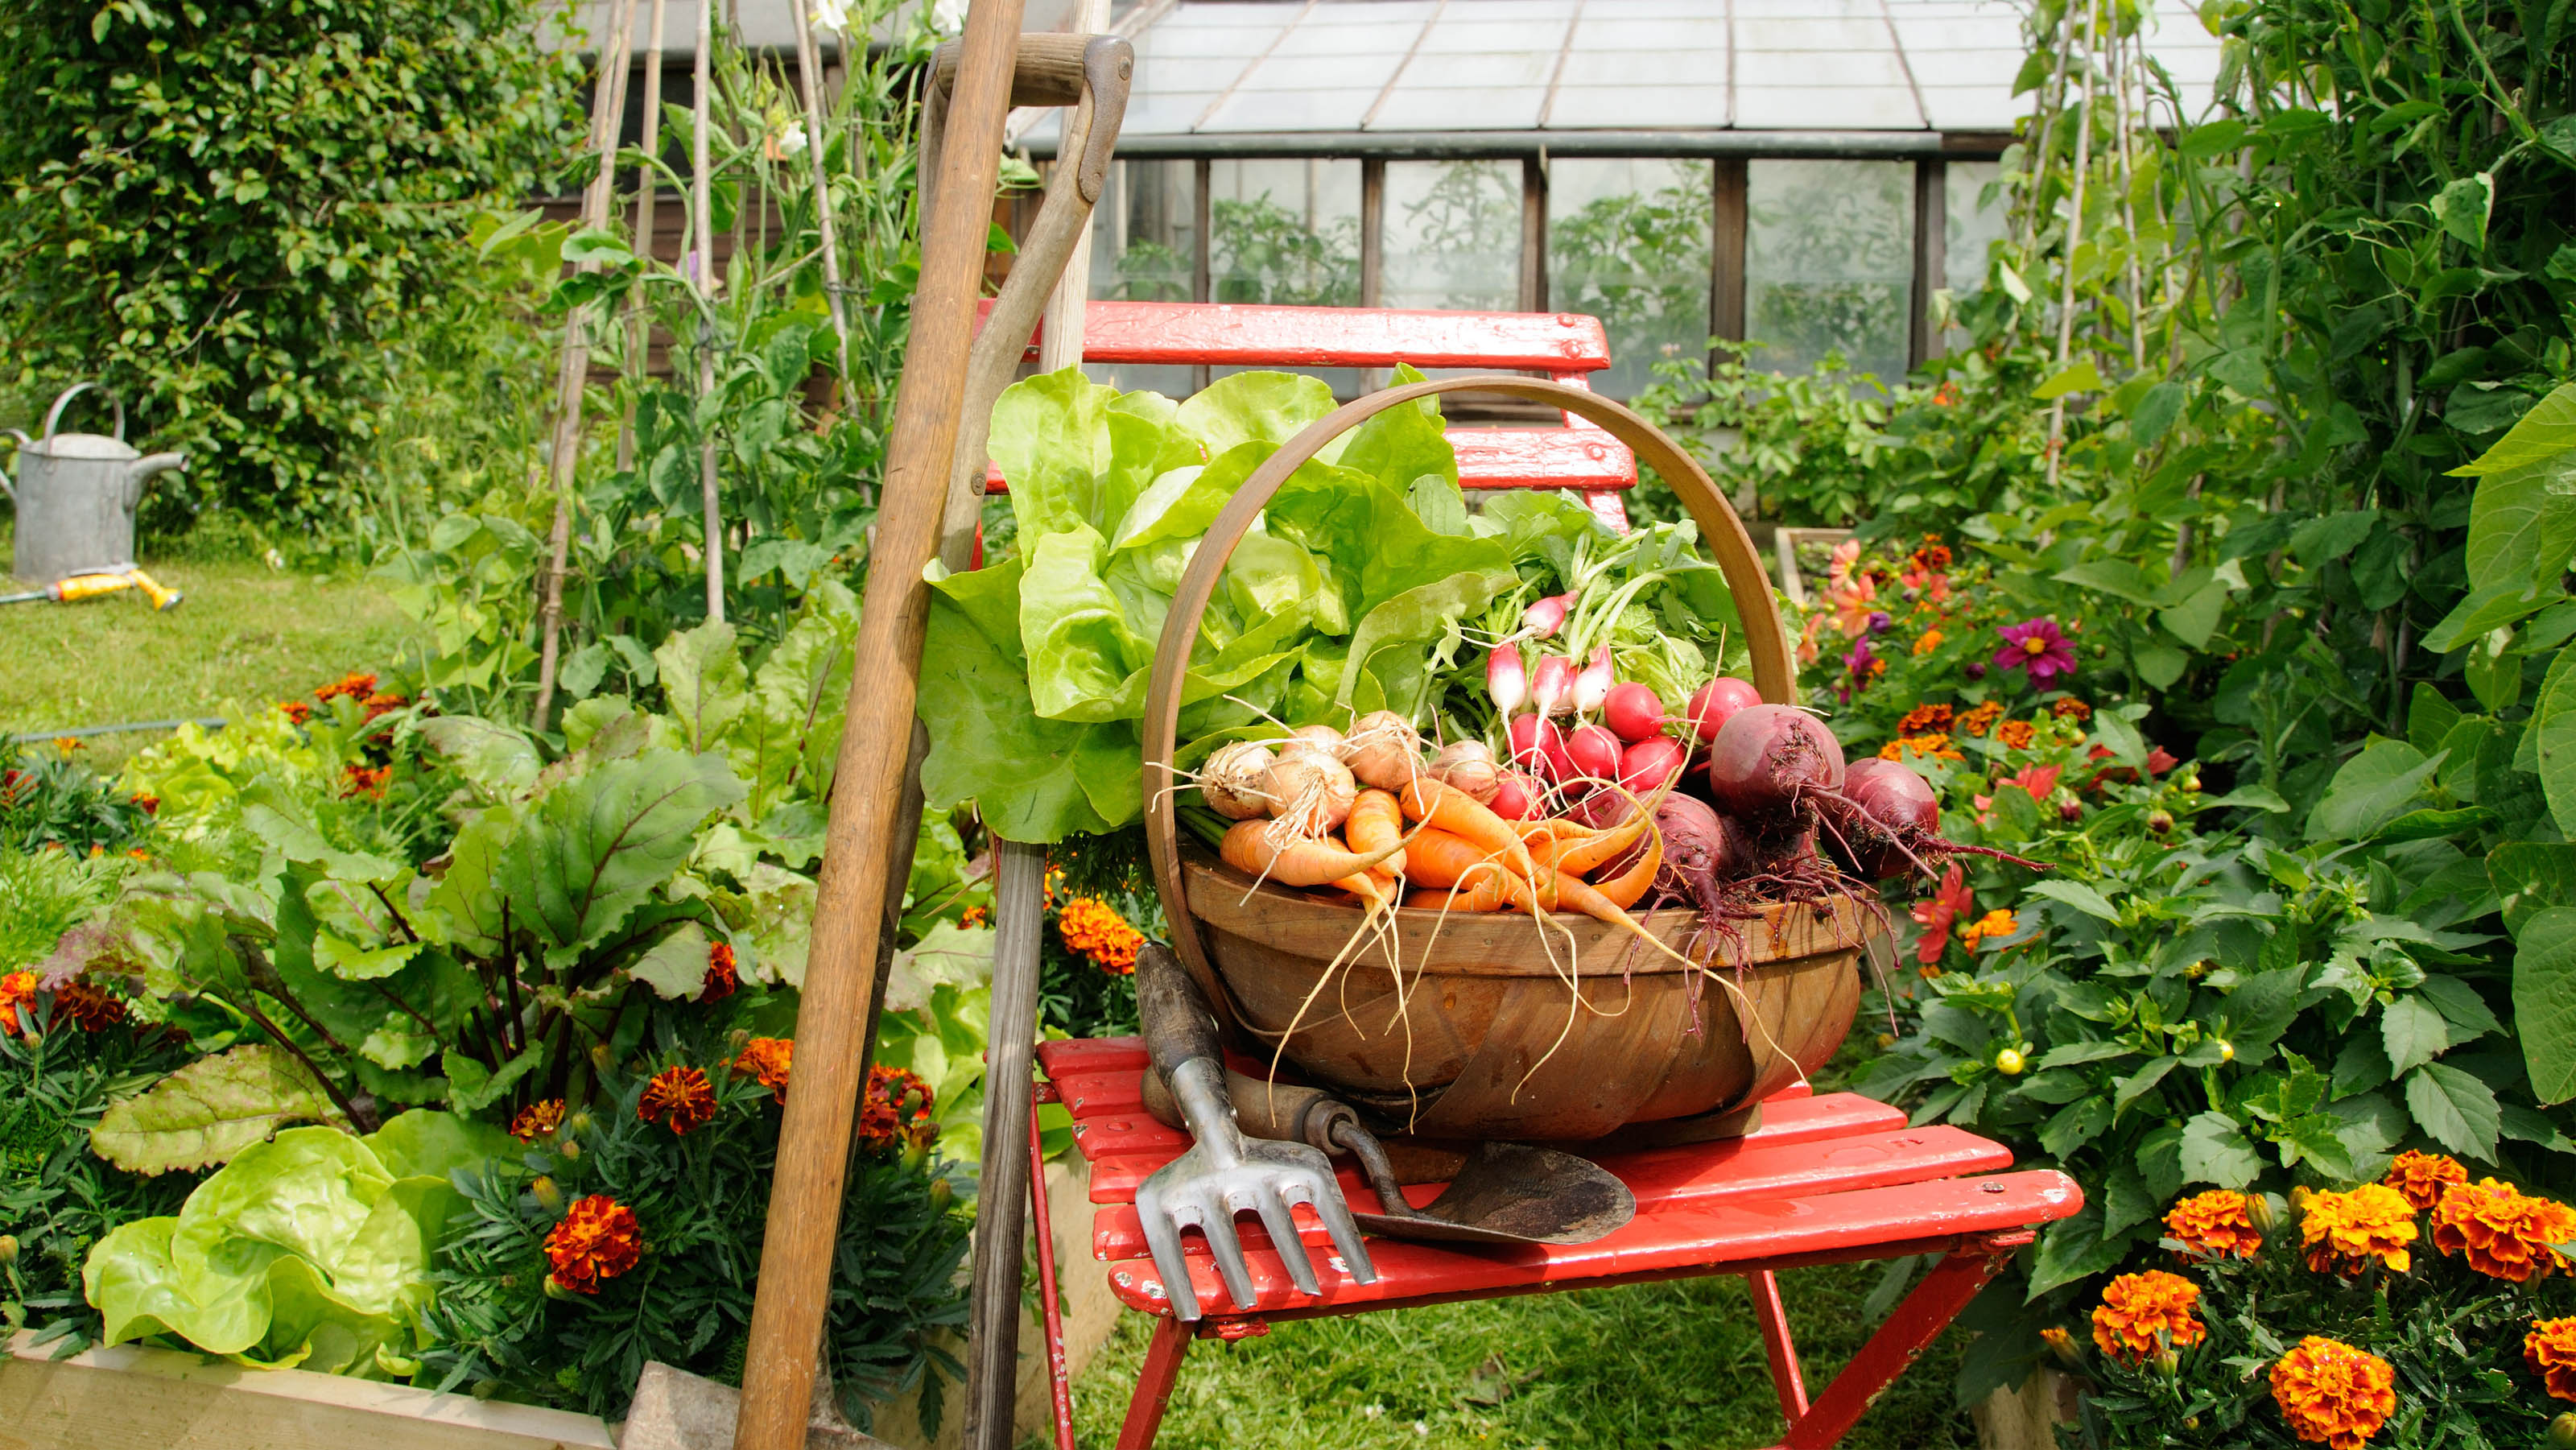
1681 1237
1585 459
1083 1054
1225 335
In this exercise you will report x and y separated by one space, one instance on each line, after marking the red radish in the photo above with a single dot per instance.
1716 702
1552 685
1769 759
1543 619
1516 796
1649 763
1594 753
1537 746
1505 681
1634 711
1592 685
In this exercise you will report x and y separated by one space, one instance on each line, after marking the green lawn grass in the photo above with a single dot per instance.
1647 1366
246 633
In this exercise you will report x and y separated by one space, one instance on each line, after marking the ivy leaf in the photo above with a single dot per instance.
2413 1033
2544 1002
210 1110
2454 1109
2215 1150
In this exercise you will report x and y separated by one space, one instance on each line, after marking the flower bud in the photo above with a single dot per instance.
2562 1431
941 1194
601 1058
1886 1040
2160 822
2009 1062
736 1041
547 1195
2167 1362
2191 1422
556 1289
2260 1213
8 1248
2062 1344
2226 1050
2191 783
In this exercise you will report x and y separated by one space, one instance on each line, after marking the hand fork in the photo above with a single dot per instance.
1224 1173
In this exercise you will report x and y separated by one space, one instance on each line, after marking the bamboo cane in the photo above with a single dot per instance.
2074 236
607 108
809 73
703 240
841 965
639 322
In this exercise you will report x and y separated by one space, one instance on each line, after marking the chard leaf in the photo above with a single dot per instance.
210 1110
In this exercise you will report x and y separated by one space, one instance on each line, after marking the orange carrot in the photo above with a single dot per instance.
1437 858
1375 824
1578 857
1627 888
1249 848
1370 889
1445 808
1486 887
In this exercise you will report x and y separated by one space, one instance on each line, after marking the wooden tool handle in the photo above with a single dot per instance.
1177 1022
1774 668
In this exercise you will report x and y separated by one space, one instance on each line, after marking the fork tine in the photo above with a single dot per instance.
1345 1230
1163 1237
1282 1225
1228 1250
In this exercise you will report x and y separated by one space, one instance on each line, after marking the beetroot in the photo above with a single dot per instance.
1634 711
1717 702
1887 817
1767 760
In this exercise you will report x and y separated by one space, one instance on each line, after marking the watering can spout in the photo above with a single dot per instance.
141 471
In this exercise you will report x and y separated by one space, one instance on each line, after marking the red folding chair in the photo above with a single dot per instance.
1822 1180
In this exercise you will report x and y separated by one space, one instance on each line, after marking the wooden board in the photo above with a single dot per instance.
128 1397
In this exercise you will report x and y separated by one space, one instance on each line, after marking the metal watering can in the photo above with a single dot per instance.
76 494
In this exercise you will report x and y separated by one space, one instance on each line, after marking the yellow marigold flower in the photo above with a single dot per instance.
2424 1177
1092 928
2344 1232
768 1059
2142 1313
680 1096
1928 642
2503 1233
2214 1225
2333 1394
2549 1350
2016 734
18 989
597 1239
538 1120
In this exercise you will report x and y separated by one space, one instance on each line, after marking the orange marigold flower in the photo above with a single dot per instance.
767 1059
596 1240
973 916
295 711
2503 1233
2067 707
1996 923
2344 1232
538 1120
2423 1177
723 980
2332 1393
680 1096
1927 642
354 685
1926 720
883 1120
2550 1352
1094 929
383 704
2214 1225
2016 734
1981 719
18 989
1921 747
2142 1313
150 805
367 780
88 1006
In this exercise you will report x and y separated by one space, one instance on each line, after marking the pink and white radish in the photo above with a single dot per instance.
1506 682
1552 685
1546 616
1592 683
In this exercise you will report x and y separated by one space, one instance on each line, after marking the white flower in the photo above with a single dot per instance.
832 14
791 140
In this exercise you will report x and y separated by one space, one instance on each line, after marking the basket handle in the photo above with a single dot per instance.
1774 673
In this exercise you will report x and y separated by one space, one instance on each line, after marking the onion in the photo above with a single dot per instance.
1716 702
1236 780
1382 750
1646 765
1322 737
1593 752
1467 765
1766 760
1634 711
1310 790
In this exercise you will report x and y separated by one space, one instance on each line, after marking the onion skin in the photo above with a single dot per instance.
1235 780
1322 737
1766 761
1634 711
1467 765
1311 791
1383 751
1719 701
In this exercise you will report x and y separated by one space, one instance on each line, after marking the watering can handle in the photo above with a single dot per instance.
75 390
6 487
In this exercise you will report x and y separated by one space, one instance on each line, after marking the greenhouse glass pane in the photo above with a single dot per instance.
1286 230
1453 234
1829 263
1628 242
1972 227
1144 245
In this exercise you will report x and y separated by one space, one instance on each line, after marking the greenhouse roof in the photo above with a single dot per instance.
1609 76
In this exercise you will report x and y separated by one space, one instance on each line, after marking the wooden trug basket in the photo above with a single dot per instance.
1494 1034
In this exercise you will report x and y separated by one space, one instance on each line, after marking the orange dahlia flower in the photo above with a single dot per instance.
2550 1351
2142 1313
2214 1225
1092 928
680 1096
2332 1393
2424 1177
597 1239
538 1120
2503 1233
2345 1232
18 989
767 1059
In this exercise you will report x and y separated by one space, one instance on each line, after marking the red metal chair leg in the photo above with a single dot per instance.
1915 1324
1059 1383
1768 1312
1154 1385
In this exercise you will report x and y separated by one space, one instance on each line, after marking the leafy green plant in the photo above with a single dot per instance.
1810 448
312 1249
237 216
51 799
49 892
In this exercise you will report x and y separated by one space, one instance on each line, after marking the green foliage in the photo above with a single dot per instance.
310 1250
51 799
238 216
1263 252
1810 449
701 1201
209 1111
56 1199
49 893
